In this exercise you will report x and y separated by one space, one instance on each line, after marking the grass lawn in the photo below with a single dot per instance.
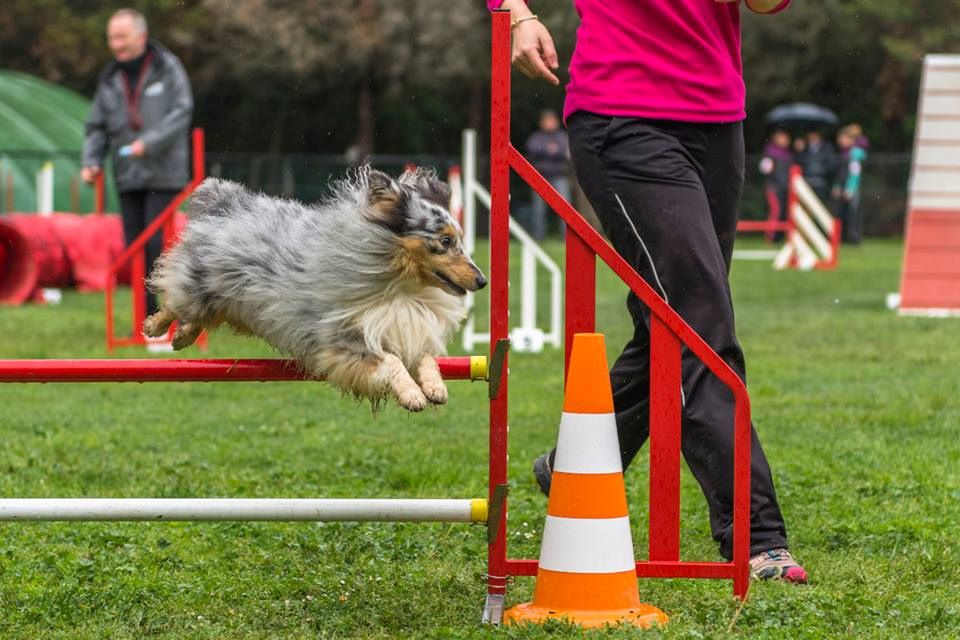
857 408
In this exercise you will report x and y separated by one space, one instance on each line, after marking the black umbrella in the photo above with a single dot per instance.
801 115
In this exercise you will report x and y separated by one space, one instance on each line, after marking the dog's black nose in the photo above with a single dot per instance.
481 282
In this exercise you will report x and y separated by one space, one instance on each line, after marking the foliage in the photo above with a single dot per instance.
857 410
407 75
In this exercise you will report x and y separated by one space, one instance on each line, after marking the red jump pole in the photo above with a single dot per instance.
225 370
499 300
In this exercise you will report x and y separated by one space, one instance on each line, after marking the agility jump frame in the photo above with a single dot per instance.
668 335
135 252
213 509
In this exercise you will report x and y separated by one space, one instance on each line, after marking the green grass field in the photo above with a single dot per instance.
857 408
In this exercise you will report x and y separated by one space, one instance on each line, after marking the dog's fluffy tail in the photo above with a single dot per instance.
215 197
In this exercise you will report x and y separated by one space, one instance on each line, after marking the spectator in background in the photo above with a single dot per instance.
549 151
819 163
775 165
846 190
140 117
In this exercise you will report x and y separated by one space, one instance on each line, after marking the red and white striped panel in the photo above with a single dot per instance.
930 284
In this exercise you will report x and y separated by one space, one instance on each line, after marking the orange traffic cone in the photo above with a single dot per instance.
587 572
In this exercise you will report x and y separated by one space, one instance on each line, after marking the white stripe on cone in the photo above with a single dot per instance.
587 545
588 444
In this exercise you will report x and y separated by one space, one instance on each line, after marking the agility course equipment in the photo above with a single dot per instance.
527 336
134 256
813 238
668 335
223 509
586 572
930 283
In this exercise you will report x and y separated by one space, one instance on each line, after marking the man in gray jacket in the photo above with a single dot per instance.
140 116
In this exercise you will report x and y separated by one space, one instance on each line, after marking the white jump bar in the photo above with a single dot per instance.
239 509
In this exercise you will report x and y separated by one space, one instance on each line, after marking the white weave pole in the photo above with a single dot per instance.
240 509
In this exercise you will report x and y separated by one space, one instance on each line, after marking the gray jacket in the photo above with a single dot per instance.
166 106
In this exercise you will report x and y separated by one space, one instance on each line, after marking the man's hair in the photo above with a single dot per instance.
139 22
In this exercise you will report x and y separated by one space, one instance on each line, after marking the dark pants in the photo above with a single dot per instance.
851 221
138 209
668 196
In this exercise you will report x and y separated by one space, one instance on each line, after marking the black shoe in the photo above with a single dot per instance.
543 470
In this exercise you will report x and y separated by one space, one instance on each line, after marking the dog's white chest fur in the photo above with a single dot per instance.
410 326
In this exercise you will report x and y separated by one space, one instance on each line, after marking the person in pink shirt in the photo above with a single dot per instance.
654 109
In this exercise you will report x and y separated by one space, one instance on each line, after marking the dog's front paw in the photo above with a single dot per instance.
435 391
412 399
157 324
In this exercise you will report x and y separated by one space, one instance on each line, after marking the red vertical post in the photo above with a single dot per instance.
98 194
499 281
580 293
666 381
108 297
741 494
199 156
138 292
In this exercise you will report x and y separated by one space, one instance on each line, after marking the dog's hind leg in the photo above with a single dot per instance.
185 335
159 323
428 375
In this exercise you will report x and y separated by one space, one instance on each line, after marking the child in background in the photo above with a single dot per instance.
775 165
846 191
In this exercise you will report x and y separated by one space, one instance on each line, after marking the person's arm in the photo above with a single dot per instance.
533 54
177 120
95 141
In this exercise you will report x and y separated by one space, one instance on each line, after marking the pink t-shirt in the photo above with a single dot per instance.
664 59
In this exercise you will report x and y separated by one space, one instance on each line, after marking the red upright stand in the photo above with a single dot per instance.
135 252
669 333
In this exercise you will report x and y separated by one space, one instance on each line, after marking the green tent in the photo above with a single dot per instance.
41 122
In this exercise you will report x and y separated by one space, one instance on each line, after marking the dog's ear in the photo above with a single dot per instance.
387 200
428 186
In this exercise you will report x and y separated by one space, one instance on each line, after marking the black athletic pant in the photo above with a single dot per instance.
138 209
668 196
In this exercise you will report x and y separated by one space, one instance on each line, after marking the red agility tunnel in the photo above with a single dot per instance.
18 267
58 251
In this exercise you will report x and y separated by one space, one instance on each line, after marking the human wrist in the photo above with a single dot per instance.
518 9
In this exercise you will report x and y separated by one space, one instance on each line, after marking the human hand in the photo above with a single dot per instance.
137 148
89 174
534 54
835 193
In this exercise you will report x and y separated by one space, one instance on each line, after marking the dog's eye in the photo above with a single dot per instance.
446 241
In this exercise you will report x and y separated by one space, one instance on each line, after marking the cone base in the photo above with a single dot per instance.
643 616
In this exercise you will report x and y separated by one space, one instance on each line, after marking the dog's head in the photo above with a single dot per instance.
414 207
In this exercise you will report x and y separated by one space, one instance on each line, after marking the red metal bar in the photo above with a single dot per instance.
762 226
578 225
741 494
98 193
138 292
717 570
665 425
255 370
499 282
580 293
